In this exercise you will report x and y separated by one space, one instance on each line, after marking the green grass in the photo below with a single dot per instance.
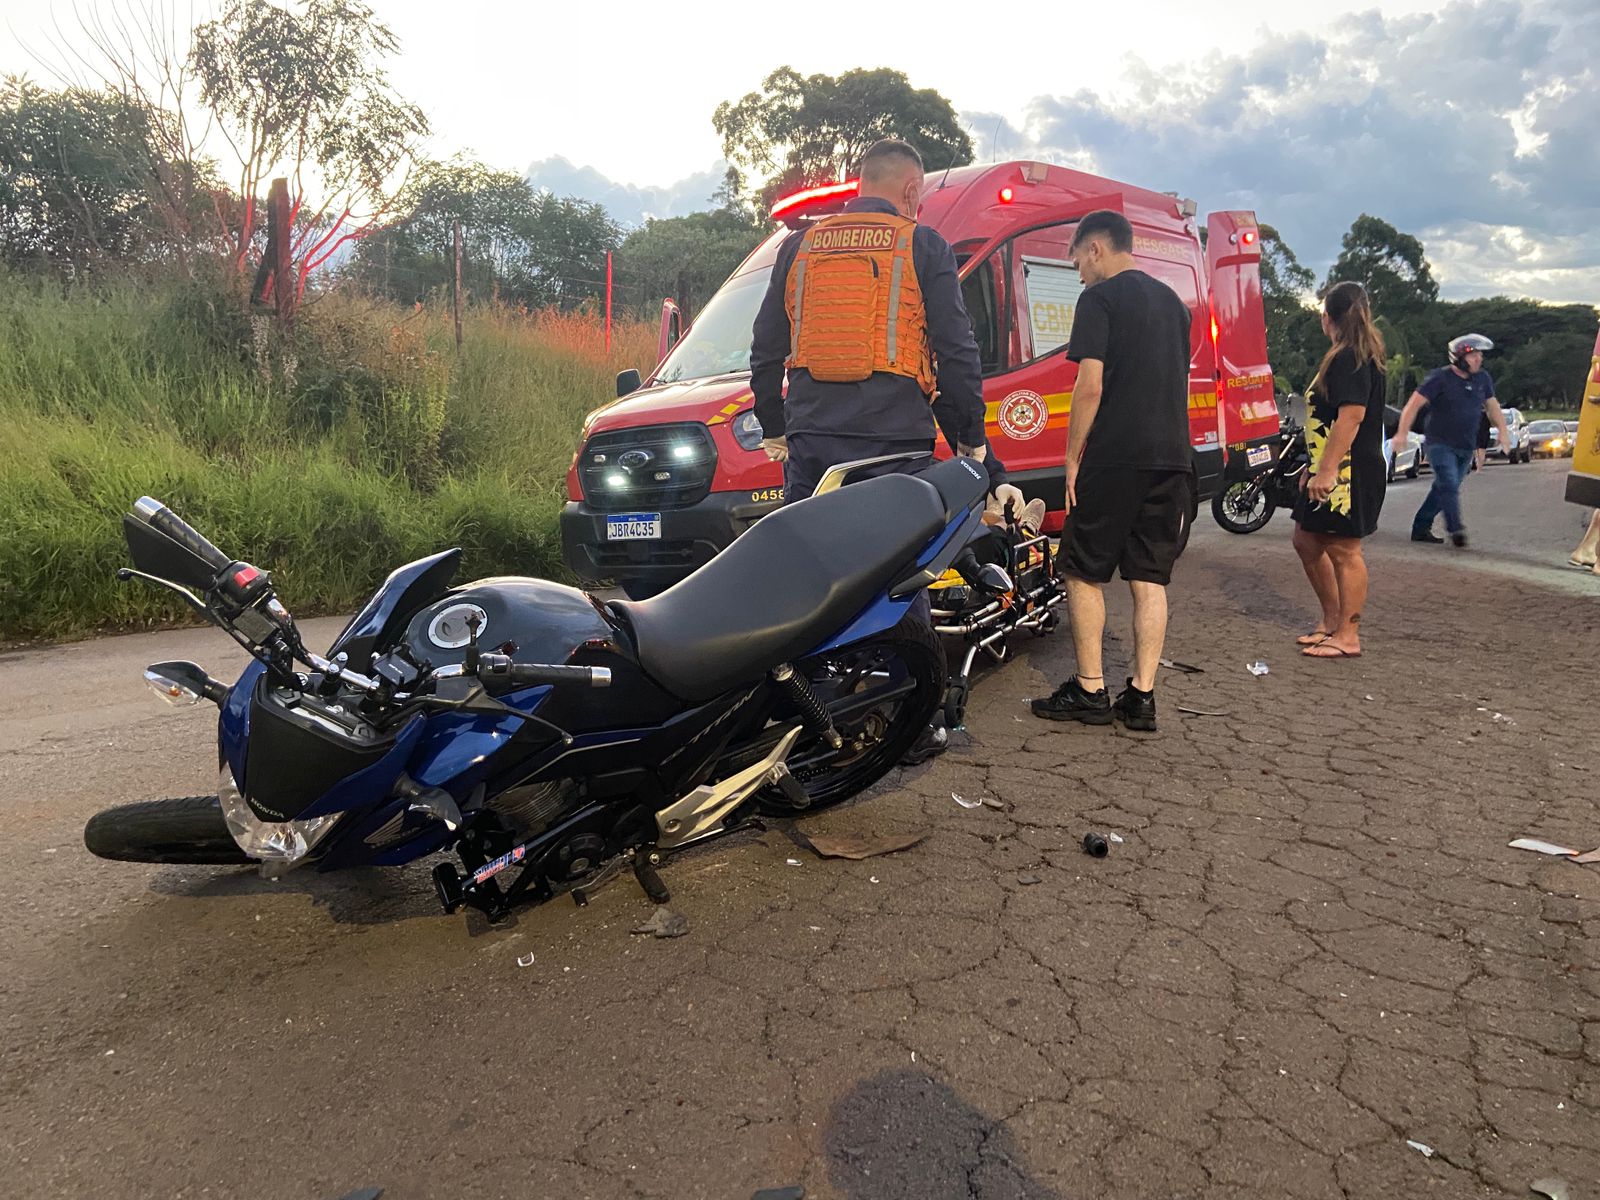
385 445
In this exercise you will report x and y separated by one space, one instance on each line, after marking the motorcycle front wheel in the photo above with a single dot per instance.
189 829
1243 507
881 693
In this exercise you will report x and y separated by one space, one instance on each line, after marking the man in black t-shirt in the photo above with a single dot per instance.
1130 471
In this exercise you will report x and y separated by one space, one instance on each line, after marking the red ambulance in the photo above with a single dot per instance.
671 472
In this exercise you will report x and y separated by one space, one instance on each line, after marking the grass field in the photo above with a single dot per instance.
365 442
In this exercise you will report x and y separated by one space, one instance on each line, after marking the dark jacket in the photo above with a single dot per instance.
884 407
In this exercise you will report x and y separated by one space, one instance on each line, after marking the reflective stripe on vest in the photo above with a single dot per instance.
894 299
799 294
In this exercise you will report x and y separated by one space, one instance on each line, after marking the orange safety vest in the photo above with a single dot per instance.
854 302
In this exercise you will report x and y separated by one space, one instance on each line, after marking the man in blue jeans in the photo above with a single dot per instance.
1457 397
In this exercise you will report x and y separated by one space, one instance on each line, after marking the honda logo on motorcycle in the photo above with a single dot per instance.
633 459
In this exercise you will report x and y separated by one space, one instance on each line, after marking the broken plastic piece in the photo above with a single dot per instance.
1026 880
664 923
1256 668
1095 846
1115 837
857 847
1554 1189
997 804
1186 668
793 862
1199 712
1542 847
524 960
964 802
1425 1150
363 1194
784 1193
1588 856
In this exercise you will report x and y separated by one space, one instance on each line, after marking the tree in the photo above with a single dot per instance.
300 92
80 175
1293 333
1392 267
685 257
801 130
522 246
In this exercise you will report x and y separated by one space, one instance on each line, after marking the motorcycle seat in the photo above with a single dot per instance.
799 574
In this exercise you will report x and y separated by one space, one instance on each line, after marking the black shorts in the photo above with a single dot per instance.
1130 520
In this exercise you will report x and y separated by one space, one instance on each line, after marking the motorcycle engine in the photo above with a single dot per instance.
531 808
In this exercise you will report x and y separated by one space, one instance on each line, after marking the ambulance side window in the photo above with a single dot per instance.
1047 290
978 294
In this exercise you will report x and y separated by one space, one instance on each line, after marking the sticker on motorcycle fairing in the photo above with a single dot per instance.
490 869
1023 415
1259 456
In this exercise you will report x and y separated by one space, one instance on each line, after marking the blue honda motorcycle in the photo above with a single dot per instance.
550 739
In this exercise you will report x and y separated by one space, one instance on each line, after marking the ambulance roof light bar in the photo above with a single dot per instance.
794 204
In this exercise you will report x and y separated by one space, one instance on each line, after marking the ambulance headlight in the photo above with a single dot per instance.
747 430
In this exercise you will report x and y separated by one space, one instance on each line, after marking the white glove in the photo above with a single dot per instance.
1008 493
776 449
977 453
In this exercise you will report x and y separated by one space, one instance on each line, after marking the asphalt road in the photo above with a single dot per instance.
1311 948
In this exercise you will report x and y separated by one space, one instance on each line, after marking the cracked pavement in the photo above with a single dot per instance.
1311 947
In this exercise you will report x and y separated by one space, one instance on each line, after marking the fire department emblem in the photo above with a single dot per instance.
1023 415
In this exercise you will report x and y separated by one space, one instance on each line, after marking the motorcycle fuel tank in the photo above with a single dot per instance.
532 620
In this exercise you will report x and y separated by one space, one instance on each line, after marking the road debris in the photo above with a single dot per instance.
859 846
524 960
1257 668
793 862
1186 668
872 879
1029 880
1095 846
784 1193
664 923
1115 837
1199 712
1554 1189
363 1194
1425 1150
964 802
997 804
1539 847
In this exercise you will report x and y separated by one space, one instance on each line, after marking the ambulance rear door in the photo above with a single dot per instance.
1247 411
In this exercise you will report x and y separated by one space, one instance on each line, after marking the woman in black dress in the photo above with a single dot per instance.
1343 489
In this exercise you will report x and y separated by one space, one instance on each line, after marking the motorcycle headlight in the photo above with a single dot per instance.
285 842
747 430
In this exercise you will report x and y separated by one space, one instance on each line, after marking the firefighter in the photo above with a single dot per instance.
864 312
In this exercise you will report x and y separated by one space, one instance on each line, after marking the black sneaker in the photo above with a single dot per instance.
1426 535
932 742
1137 709
1071 702
1458 539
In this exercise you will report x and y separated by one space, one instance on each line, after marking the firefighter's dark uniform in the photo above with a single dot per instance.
865 342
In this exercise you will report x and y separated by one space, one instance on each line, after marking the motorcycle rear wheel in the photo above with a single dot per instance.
188 829
1243 507
908 653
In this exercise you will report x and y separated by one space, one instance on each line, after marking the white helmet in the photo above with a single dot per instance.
1460 346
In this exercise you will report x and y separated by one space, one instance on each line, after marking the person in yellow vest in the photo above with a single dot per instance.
864 312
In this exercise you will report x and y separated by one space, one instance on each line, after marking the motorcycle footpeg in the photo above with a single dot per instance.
791 787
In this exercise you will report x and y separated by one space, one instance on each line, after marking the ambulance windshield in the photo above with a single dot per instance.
718 343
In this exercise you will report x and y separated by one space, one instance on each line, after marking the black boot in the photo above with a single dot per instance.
932 742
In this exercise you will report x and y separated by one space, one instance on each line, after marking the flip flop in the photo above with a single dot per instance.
1579 565
1312 652
1315 638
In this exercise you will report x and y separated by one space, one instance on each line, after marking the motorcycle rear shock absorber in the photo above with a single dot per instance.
813 714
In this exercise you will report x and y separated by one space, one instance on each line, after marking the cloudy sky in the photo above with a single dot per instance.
1474 124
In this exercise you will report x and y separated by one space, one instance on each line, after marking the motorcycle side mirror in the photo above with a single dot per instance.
628 382
992 577
182 683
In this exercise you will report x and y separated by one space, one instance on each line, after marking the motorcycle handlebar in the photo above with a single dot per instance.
159 517
529 674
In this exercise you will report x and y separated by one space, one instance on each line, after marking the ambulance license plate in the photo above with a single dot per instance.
632 527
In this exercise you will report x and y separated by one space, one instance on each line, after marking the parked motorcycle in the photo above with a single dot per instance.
1273 482
550 739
